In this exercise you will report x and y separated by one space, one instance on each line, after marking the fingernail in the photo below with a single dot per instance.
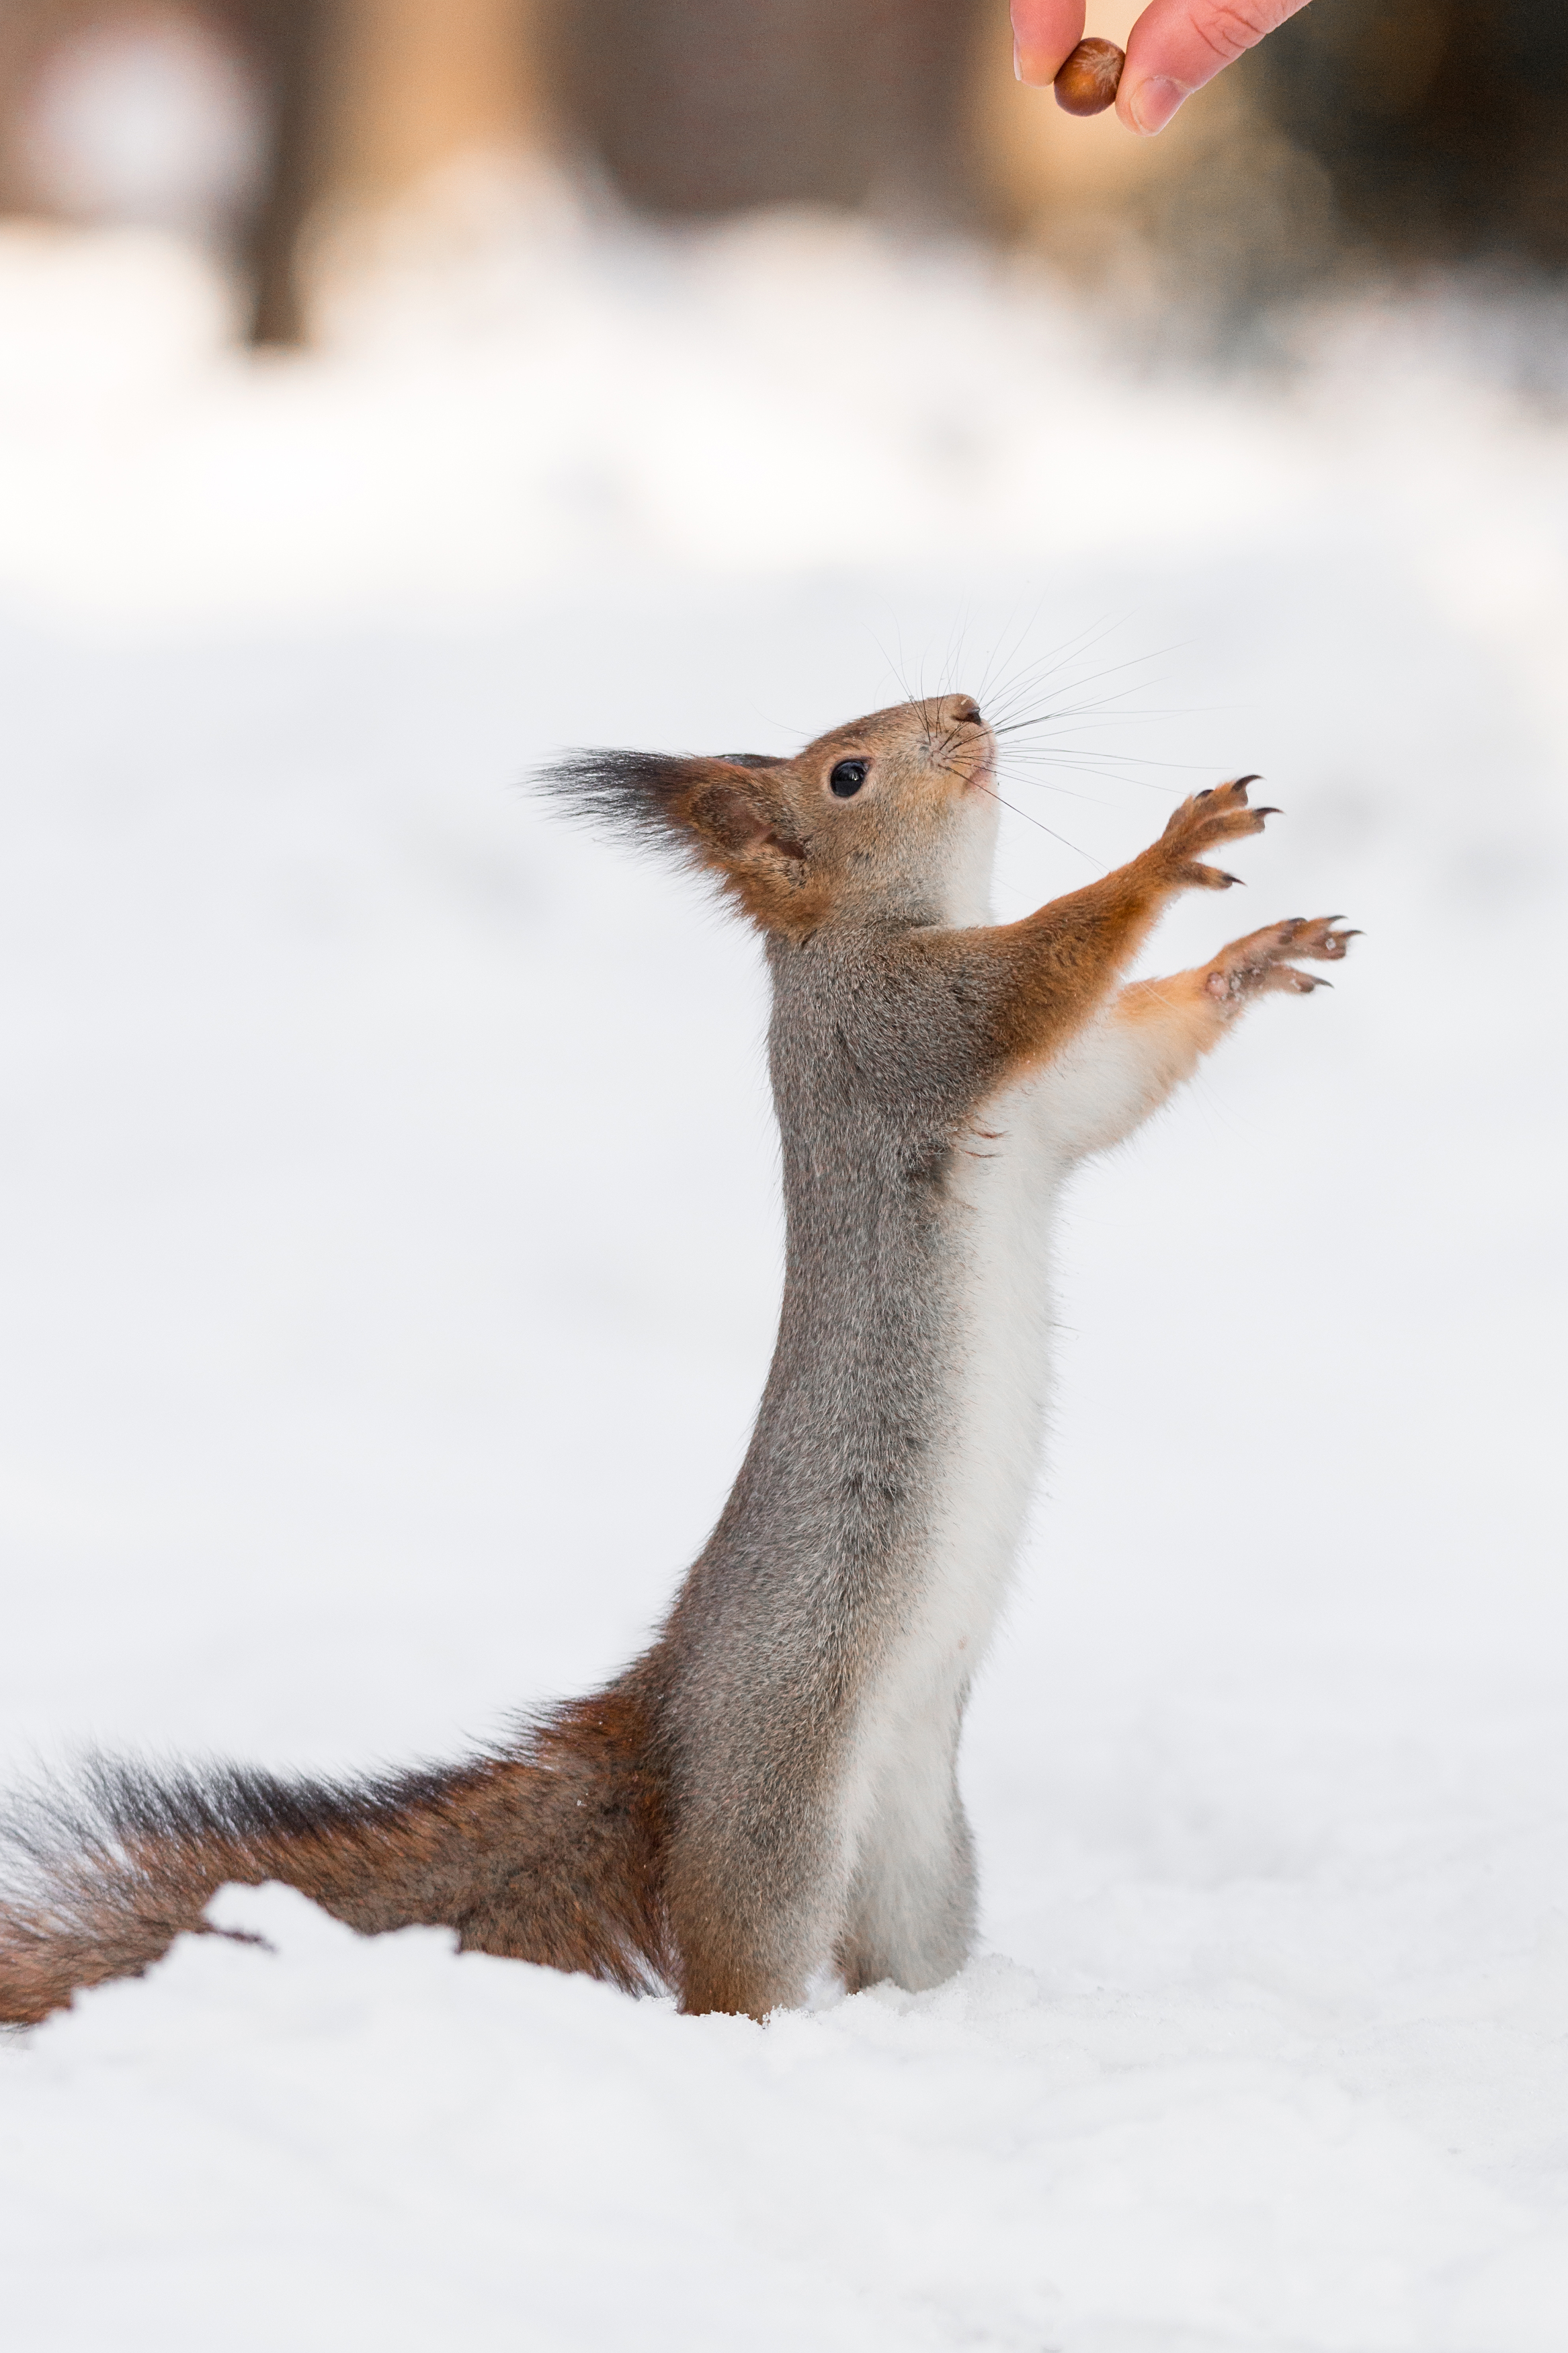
1018 64
1153 102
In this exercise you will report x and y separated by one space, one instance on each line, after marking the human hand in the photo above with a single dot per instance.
1174 49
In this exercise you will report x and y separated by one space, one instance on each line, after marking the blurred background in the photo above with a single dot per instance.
1367 133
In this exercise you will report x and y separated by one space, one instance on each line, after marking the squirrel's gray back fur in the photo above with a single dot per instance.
812 1586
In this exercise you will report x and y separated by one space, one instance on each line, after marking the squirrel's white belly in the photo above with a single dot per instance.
1004 1185
1007 1181
1008 1176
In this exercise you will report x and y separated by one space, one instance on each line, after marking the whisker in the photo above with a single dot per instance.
1102 764
1083 719
1012 646
1044 828
1060 679
1021 676
1113 701
957 637
1046 753
1032 675
1067 794
895 667
1113 670
1088 766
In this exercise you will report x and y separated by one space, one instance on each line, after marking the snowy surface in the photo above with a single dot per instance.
390 1250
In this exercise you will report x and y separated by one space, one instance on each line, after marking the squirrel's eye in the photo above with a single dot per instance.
847 777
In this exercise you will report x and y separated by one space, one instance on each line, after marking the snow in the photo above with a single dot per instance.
390 1254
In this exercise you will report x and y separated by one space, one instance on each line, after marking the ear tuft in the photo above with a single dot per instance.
726 816
702 807
633 794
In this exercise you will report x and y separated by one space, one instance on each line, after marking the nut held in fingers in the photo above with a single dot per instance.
1087 81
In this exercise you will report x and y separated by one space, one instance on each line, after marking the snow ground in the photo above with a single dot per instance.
390 1254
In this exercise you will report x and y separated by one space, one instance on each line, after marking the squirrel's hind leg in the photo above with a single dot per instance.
874 1879
754 1895
911 1914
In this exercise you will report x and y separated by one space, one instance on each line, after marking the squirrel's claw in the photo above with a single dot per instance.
1251 967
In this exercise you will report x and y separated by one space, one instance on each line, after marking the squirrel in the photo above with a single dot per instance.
770 1791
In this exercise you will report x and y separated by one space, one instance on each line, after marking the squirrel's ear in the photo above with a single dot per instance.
718 809
735 822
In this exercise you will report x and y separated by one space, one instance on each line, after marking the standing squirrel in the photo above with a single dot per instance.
770 1790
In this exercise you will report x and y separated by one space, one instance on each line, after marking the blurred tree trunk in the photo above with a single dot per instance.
286 45
28 29
419 81
710 106
291 43
367 95
1442 127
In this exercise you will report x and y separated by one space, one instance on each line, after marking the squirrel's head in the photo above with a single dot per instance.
890 817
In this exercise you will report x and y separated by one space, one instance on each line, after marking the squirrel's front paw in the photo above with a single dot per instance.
1249 967
1216 815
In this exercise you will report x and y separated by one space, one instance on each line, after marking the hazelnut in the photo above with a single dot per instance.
1087 81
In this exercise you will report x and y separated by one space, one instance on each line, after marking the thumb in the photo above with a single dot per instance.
1178 44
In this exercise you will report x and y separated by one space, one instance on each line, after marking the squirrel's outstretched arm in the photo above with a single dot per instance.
1027 987
1151 1036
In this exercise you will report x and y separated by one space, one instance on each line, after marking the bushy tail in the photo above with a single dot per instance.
547 1851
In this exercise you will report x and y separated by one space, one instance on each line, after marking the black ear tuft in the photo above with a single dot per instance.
711 814
628 793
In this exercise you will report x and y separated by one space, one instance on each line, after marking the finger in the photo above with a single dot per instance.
1043 33
1178 44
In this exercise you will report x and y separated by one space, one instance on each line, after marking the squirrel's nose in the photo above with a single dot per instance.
957 707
